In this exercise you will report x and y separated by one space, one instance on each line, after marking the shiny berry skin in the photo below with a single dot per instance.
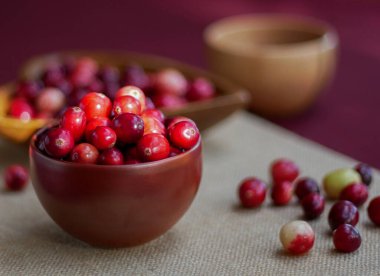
282 193
169 101
58 142
134 92
129 128
297 237
343 212
200 89
284 170
126 104
252 192
313 205
111 156
169 122
152 125
357 193
50 100
94 123
152 147
373 210
28 89
184 135
96 105
170 81
365 172
103 137
305 186
74 119
21 109
175 151
16 177
346 238
156 113
84 153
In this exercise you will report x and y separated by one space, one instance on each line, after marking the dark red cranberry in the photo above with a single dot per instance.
313 205
184 135
200 89
135 75
21 109
282 193
167 100
252 192
59 142
103 137
95 122
28 89
126 104
16 177
156 113
374 210
343 212
284 170
96 105
53 75
357 193
175 151
84 153
365 172
346 238
152 147
74 119
111 156
129 128
305 186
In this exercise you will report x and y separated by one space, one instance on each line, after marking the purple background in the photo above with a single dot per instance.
344 117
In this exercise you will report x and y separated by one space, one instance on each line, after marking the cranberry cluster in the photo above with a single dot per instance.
125 131
65 83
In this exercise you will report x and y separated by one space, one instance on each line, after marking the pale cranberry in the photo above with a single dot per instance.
346 238
297 237
252 192
50 100
84 153
284 170
153 147
16 177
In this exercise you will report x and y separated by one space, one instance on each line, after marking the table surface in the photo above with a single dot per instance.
215 237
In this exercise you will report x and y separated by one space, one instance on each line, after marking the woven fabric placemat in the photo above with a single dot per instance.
215 237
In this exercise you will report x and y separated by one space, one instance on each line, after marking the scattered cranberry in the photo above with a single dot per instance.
343 212
305 186
346 238
74 119
200 89
58 142
297 237
184 135
84 153
111 156
152 147
96 105
374 210
134 92
365 172
252 192
284 170
313 205
282 193
16 177
170 81
129 128
103 137
357 193
126 104
21 109
94 123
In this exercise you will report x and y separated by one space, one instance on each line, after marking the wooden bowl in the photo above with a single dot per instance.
116 206
284 61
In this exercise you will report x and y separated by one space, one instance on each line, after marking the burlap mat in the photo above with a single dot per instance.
215 237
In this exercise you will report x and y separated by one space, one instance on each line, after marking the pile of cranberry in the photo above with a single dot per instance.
66 82
297 237
125 131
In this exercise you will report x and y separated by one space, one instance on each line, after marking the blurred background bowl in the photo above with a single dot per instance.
283 60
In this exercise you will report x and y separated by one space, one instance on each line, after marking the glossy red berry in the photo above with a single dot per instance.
58 142
252 192
74 120
84 153
103 137
357 193
374 210
152 147
96 105
50 100
16 177
305 186
313 205
365 172
152 125
346 238
184 135
134 92
284 170
21 109
129 128
94 123
111 156
282 193
200 89
343 212
169 122
126 104
155 113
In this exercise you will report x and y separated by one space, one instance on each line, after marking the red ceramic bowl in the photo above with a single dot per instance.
116 206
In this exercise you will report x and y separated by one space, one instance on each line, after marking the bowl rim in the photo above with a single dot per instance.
327 37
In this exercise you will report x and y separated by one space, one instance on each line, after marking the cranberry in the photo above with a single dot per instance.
313 205
111 156
357 193
200 89
76 96
59 142
16 177
282 193
134 92
184 135
152 147
167 100
297 237
74 119
252 192
126 104
156 113
175 151
343 212
96 85
21 109
28 89
170 81
84 153
129 128
84 72
172 121
346 238
109 74
50 100
305 186
374 210
53 75
365 172
93 123
96 105
135 75
152 125
103 137
284 170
